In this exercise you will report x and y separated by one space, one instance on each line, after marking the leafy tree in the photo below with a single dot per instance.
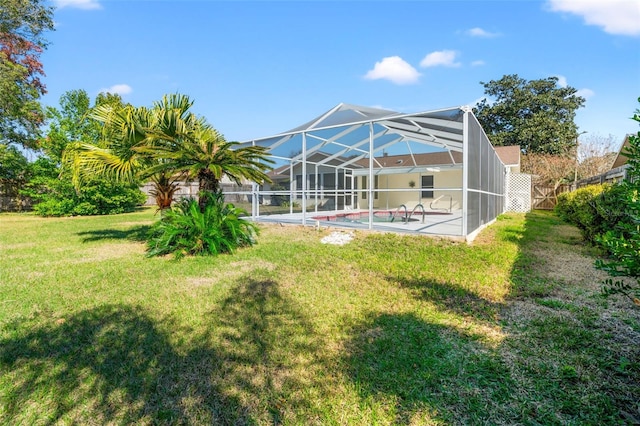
14 173
13 164
596 154
549 169
22 24
52 182
70 123
537 115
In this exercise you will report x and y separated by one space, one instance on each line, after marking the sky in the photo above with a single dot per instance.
256 69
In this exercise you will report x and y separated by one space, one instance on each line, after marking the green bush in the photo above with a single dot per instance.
55 195
623 244
186 230
565 206
617 207
622 241
579 208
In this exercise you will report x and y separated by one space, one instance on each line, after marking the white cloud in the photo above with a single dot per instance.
479 32
118 89
394 69
478 63
614 16
445 58
562 80
585 93
78 4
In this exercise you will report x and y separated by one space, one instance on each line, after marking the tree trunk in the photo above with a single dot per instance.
207 183
163 191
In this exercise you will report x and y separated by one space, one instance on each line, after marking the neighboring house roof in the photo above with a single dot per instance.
509 155
621 159
426 159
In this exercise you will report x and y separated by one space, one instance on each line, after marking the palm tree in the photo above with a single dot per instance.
118 154
206 156
166 142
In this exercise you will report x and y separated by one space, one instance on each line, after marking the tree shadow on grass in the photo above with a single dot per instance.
106 358
273 362
254 362
451 298
425 369
136 233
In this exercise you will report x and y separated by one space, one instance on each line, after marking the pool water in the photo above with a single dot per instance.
363 217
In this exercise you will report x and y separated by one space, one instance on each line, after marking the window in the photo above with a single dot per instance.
364 187
427 183
365 179
375 185
329 181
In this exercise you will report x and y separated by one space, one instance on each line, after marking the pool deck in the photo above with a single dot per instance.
445 225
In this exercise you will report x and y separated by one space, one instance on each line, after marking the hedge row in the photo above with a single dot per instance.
597 209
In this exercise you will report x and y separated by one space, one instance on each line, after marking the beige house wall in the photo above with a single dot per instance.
449 181
514 168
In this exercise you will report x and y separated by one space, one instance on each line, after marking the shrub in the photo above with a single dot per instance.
565 206
56 196
579 208
624 248
615 207
187 230
622 242
94 198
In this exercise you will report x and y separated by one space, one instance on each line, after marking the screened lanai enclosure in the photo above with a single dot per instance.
432 172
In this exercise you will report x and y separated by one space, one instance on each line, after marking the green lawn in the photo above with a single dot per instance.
388 329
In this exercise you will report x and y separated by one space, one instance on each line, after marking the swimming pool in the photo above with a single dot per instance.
378 216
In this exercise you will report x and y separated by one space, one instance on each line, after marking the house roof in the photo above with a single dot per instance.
621 159
424 159
510 155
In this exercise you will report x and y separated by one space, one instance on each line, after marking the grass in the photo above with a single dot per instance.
388 329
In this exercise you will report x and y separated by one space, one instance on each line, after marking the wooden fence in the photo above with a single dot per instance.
545 197
614 175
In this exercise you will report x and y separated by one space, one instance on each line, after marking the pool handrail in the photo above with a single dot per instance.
441 208
414 210
406 212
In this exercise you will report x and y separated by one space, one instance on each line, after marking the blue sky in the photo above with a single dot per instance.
255 69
